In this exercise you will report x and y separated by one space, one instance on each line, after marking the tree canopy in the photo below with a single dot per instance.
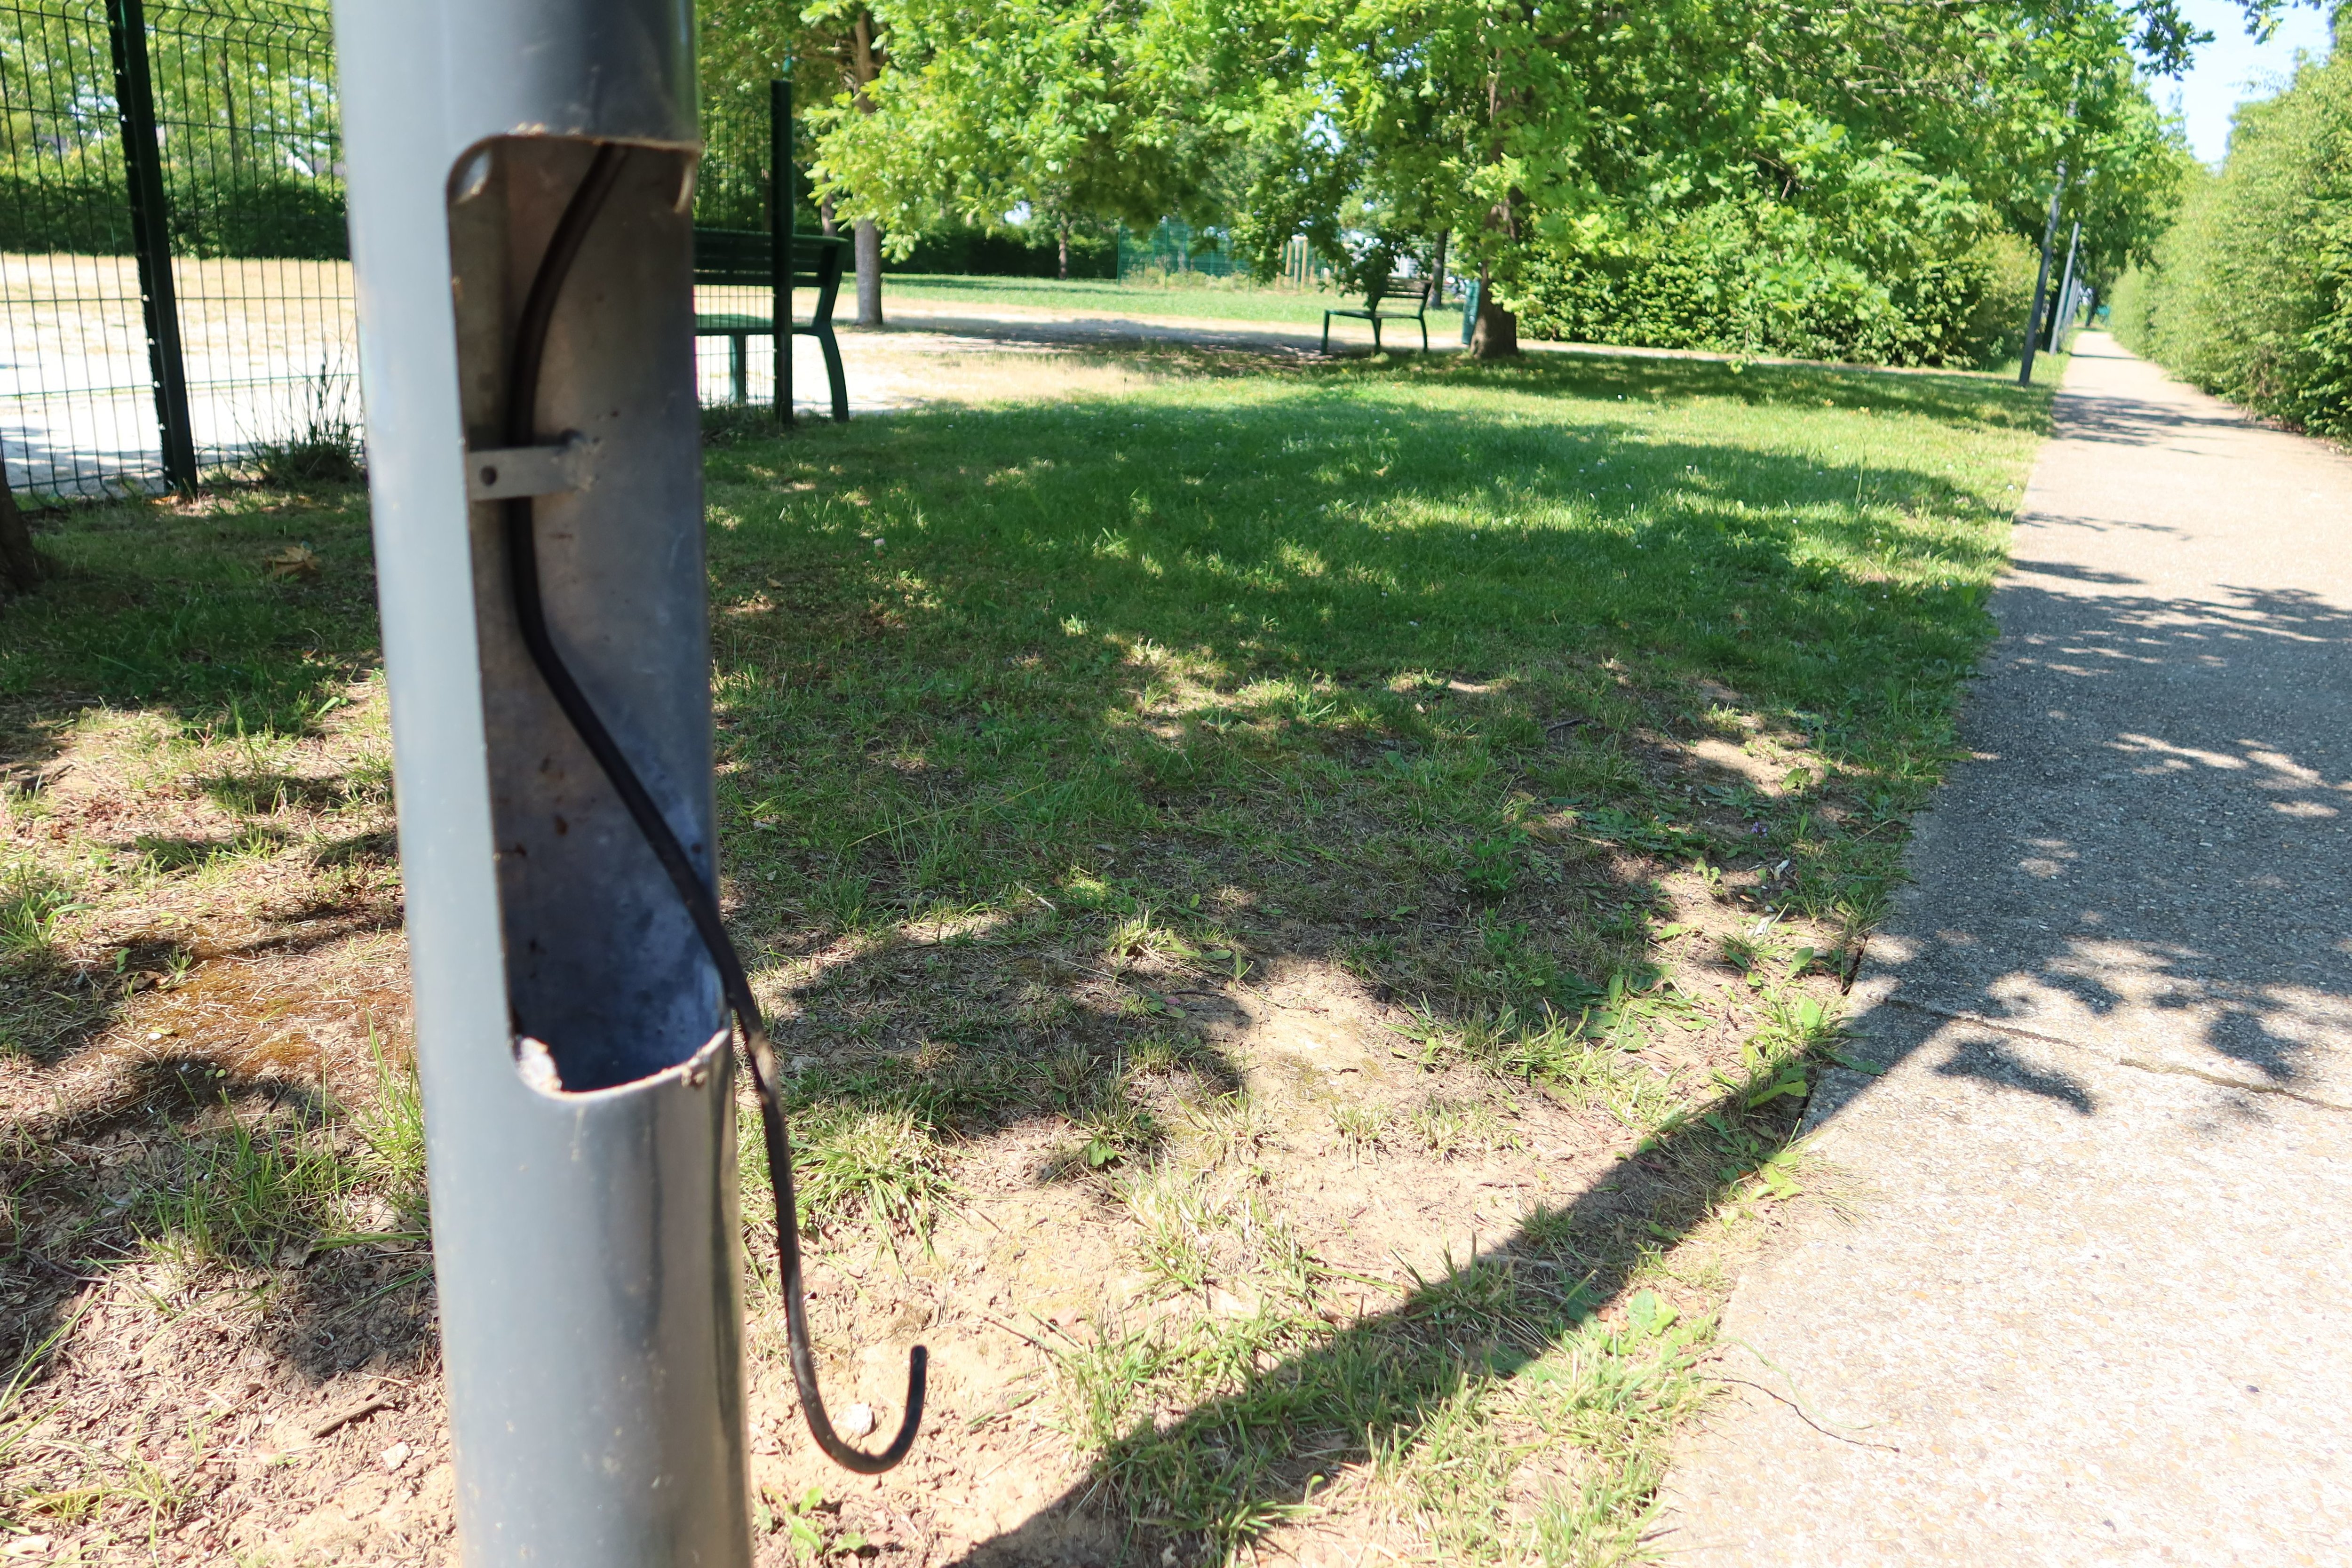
1866 139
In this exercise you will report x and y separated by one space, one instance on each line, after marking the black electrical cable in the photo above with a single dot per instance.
701 903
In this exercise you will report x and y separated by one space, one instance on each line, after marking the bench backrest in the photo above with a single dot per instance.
1415 290
743 255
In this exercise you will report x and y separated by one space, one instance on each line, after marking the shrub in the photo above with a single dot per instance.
2249 294
1716 279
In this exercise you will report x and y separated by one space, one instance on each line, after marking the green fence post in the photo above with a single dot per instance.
151 228
783 220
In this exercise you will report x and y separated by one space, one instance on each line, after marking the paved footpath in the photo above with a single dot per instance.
2094 1302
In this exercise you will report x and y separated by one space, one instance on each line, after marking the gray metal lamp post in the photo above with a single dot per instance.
2065 310
2041 278
520 174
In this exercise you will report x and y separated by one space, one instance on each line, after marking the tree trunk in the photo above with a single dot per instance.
1437 271
1064 274
1496 334
825 217
19 567
869 273
866 62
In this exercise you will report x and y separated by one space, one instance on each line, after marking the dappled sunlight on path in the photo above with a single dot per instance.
2093 1310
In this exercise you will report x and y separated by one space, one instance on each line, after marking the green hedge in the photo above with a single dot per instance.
277 217
2249 294
975 253
1710 282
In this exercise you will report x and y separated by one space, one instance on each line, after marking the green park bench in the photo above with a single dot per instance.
746 256
1380 293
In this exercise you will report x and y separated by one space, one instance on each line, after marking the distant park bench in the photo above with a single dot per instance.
1380 293
745 257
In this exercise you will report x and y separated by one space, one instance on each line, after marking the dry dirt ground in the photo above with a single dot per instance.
1222 1243
237 963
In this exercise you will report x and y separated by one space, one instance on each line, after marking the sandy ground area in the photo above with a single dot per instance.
271 347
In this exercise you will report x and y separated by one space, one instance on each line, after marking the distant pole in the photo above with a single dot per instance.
2042 279
784 189
2065 309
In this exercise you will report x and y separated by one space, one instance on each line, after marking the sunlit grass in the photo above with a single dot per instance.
1047 727
1215 299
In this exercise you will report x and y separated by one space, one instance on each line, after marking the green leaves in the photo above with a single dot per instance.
2250 294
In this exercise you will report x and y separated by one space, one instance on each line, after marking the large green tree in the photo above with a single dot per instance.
1880 133
1865 140
836 51
1037 112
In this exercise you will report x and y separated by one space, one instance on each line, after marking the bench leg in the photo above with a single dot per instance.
737 386
1327 331
1424 335
783 340
833 372
1376 335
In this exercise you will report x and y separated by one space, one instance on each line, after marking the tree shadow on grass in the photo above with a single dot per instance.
174 605
2194 703
1264 669
237 1176
966 727
1307 1409
1056 653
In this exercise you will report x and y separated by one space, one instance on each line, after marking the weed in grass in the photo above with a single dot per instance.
1446 1128
1161 1053
1360 1128
1100 1101
1140 937
391 1123
1194 1233
1173 1222
234 1195
325 444
879 1169
163 856
33 904
1799 1025
843 900
1491 867
1230 1128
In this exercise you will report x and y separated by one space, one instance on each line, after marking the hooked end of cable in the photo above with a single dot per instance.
918 1362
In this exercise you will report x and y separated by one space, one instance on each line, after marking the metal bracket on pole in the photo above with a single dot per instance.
509 473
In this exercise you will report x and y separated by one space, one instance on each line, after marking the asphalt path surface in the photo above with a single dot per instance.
2092 1301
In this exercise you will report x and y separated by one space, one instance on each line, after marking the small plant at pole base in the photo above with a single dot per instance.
324 446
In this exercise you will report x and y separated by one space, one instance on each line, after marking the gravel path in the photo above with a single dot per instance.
2095 1304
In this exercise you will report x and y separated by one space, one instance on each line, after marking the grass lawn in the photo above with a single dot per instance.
1238 302
1302 903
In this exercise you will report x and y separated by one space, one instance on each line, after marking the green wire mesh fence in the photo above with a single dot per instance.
176 297
1174 250
174 293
